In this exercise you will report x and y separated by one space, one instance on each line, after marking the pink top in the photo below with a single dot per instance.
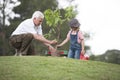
80 36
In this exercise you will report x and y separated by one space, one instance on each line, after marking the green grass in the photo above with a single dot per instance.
55 68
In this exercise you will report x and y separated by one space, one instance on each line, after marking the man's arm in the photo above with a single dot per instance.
50 47
43 39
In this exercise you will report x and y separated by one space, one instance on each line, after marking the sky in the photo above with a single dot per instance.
100 18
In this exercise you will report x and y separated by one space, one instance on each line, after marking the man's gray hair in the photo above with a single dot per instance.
38 14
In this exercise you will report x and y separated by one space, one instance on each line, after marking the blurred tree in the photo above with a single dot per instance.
55 19
27 8
110 56
6 14
6 11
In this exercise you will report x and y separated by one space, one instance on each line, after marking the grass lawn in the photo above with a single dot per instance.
55 68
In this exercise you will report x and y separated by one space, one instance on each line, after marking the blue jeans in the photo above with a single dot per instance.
74 53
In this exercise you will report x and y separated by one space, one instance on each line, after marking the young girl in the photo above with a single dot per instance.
76 40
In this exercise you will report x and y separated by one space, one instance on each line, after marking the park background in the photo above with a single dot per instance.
12 12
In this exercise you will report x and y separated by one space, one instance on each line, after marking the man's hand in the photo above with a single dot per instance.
52 49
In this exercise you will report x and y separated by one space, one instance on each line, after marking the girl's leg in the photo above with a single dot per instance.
77 54
71 53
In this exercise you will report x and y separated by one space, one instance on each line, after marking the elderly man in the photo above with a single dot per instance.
28 30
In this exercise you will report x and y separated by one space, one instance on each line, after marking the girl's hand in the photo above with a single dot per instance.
58 46
83 51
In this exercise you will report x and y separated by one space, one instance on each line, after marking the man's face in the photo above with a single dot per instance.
38 21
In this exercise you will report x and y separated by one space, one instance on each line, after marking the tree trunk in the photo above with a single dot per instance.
58 31
2 33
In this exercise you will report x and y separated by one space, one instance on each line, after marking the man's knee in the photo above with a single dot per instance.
13 42
29 35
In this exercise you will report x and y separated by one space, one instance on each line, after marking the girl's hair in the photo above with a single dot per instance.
38 14
74 23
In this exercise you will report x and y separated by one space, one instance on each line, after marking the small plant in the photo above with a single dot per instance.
55 18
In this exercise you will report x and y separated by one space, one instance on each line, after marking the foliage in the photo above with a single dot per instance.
54 68
6 14
6 11
27 8
110 56
55 19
